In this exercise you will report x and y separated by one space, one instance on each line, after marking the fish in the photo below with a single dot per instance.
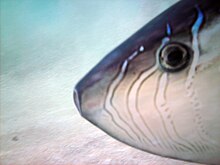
159 91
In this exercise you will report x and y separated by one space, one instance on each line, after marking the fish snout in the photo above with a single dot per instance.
89 94
77 101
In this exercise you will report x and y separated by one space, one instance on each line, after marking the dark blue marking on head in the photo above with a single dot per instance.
198 22
169 31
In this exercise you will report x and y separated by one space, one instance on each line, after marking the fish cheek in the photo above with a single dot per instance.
179 105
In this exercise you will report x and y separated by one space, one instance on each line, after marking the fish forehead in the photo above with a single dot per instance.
180 17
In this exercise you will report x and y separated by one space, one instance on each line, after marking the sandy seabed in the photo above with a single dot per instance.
70 140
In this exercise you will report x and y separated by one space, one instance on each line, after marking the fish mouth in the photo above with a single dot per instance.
77 101
88 96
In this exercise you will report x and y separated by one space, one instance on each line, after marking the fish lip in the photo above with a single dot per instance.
77 101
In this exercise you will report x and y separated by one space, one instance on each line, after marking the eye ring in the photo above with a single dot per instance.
174 57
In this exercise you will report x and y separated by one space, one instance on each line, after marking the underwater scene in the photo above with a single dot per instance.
46 48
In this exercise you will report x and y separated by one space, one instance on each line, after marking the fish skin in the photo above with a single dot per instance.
91 92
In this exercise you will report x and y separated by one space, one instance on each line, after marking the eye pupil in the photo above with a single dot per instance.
174 57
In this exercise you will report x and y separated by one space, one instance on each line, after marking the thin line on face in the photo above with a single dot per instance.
129 107
113 87
189 84
161 104
149 136
123 70
166 115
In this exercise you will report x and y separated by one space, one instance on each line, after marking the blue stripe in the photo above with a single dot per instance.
198 22
169 31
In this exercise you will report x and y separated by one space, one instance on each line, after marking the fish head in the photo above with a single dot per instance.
159 90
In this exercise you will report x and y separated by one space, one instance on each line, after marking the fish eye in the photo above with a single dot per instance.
174 57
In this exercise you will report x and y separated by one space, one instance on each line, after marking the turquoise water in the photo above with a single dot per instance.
48 45
42 32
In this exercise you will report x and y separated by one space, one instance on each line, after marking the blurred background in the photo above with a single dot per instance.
46 46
